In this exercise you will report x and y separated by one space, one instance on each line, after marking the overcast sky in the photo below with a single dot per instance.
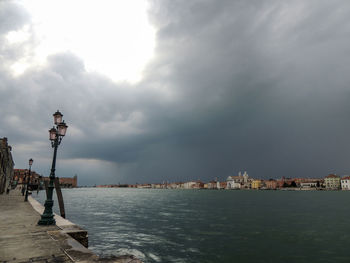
222 87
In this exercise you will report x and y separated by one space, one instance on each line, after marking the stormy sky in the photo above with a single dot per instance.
256 86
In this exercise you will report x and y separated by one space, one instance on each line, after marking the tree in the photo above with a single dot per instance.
293 184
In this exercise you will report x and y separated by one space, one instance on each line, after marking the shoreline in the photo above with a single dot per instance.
73 235
215 189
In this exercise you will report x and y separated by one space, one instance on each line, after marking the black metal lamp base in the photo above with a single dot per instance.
47 216
46 221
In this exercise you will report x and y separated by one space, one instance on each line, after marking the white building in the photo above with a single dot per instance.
245 177
213 185
345 183
237 182
308 184
233 183
189 185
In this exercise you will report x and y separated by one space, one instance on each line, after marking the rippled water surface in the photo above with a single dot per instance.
213 226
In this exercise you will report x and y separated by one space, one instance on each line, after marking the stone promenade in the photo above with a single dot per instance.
22 240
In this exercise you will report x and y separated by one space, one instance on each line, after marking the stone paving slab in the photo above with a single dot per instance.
21 239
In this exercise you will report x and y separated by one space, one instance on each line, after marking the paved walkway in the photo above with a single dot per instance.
21 239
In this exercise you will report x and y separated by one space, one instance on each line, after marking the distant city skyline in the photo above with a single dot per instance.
177 90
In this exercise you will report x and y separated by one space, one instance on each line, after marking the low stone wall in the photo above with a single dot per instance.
65 225
74 240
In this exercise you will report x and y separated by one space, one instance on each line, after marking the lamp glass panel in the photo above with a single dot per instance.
62 128
57 117
52 134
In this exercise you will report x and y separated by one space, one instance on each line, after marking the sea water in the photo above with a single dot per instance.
162 225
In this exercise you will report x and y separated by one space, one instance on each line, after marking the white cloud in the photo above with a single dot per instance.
113 38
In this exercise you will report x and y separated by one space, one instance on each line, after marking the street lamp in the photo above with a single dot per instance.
55 134
28 180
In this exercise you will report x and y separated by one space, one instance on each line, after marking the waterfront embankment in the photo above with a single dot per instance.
22 240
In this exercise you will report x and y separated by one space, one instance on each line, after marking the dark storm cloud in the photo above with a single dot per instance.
261 86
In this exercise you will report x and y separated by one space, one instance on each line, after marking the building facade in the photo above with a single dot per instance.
232 182
307 185
271 184
345 183
223 185
214 185
21 175
189 185
332 182
68 182
6 165
198 185
256 184
239 181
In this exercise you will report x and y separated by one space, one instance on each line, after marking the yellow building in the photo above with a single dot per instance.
256 184
332 182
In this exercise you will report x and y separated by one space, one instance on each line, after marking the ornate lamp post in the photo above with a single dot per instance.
28 180
56 135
